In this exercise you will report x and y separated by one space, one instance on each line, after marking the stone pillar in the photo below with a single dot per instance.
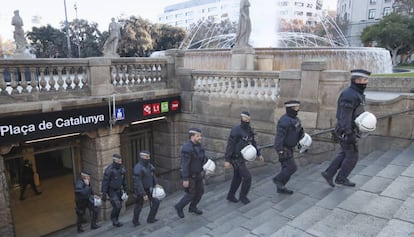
242 58
6 217
100 76
96 152
175 59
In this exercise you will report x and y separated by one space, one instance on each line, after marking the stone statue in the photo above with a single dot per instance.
111 44
19 37
244 27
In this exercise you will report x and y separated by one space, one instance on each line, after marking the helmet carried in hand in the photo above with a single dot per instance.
209 167
366 122
305 143
158 192
249 153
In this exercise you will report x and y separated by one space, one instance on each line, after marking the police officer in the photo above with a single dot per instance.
289 131
113 185
27 178
84 198
144 181
240 136
351 103
192 160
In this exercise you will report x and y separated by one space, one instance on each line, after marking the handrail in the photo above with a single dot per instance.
266 146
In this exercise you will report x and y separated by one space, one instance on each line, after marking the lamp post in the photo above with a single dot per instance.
67 32
78 29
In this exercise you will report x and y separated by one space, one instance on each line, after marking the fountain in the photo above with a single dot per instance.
281 50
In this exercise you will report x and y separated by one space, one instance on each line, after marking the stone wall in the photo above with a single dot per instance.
400 85
6 218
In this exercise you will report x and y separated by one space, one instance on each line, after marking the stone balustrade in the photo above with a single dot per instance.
66 78
244 85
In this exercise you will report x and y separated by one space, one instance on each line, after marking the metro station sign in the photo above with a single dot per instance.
36 126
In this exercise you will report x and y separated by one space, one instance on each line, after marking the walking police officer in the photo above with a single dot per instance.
240 136
351 103
289 131
84 198
144 181
113 186
192 160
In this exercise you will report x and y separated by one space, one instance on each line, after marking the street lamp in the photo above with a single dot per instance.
78 29
67 32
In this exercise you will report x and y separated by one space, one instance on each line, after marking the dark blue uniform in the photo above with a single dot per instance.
144 181
240 136
84 198
113 184
350 104
289 131
192 160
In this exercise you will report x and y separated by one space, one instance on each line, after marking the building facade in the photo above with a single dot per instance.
307 11
360 14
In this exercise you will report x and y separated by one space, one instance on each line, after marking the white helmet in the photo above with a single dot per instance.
158 192
366 122
124 196
209 167
97 201
305 143
249 153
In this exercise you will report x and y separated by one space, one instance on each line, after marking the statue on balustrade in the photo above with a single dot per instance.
111 44
19 37
244 27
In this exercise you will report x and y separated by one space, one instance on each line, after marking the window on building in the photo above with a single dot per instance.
212 9
309 14
189 13
284 4
371 14
298 13
179 15
372 2
309 5
299 4
387 1
387 11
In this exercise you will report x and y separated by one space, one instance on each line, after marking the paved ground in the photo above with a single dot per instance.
382 204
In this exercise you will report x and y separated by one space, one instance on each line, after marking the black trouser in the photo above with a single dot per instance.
241 175
81 206
289 167
345 161
154 204
116 202
23 186
193 193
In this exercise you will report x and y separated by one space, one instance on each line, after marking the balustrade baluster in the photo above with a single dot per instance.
85 77
117 77
33 80
60 81
248 91
136 75
14 81
130 74
52 81
43 82
23 81
255 94
124 76
68 79
76 80
3 84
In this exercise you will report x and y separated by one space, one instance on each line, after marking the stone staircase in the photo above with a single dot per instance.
381 204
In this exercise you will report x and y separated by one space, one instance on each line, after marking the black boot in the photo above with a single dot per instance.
94 226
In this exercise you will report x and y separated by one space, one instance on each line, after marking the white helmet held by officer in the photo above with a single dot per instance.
366 122
305 143
249 153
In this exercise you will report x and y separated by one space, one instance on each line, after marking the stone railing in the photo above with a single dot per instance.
127 72
37 79
249 85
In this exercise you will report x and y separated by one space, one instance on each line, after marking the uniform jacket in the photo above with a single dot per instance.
289 131
114 178
83 193
350 104
143 177
240 136
192 160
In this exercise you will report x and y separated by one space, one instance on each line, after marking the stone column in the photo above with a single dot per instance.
6 217
96 152
100 76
